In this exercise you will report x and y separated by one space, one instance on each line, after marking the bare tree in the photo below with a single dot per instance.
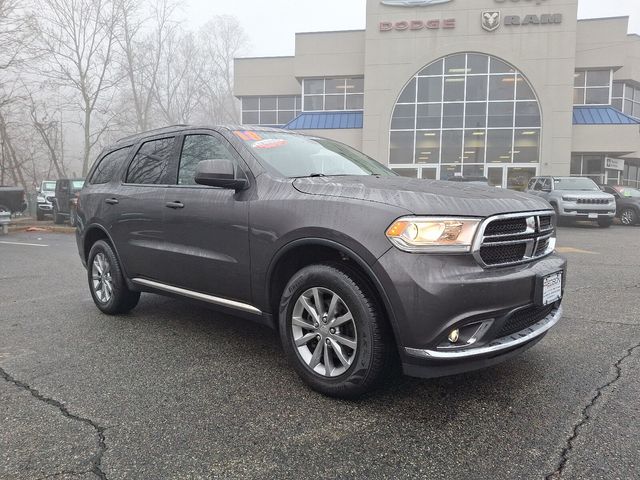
78 37
144 42
50 131
222 39
178 89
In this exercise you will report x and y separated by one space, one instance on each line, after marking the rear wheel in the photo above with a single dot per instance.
333 331
628 216
106 281
605 222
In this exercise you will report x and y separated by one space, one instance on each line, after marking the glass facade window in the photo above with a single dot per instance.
592 87
591 166
462 113
272 111
626 98
333 94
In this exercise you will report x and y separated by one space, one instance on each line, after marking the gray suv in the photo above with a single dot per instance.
576 198
357 268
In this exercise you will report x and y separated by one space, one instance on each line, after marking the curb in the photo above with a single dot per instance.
36 228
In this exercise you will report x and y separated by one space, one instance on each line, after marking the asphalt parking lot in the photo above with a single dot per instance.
176 391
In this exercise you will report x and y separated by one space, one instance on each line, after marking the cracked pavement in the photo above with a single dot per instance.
173 390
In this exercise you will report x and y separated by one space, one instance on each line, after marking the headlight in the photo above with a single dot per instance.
570 199
40 199
433 234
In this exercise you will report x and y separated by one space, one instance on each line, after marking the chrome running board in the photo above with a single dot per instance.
198 296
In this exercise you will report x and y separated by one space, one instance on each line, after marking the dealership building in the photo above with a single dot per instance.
506 89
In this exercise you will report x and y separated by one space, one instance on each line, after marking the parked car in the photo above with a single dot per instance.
575 198
472 180
355 266
12 199
46 193
64 202
627 203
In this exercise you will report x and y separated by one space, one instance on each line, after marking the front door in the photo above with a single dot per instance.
207 228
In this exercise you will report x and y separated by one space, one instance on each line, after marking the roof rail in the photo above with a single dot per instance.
155 130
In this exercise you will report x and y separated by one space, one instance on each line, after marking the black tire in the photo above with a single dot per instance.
605 222
629 216
57 218
122 300
4 208
374 354
39 215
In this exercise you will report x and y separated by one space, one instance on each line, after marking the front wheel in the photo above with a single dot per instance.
334 332
39 215
605 222
628 216
106 281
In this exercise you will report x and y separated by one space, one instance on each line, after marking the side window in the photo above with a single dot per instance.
546 184
532 182
197 148
151 164
109 166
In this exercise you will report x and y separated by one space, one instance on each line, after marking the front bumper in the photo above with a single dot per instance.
587 211
431 295
45 207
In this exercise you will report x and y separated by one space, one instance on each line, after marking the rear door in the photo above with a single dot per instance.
207 228
137 207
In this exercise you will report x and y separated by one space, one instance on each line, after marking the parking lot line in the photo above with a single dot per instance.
26 244
575 250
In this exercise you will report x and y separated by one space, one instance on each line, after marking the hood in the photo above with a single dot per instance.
424 197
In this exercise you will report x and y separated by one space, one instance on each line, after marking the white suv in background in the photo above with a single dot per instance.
577 198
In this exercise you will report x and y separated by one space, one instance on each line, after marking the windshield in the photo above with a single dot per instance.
629 192
77 184
298 156
577 183
49 186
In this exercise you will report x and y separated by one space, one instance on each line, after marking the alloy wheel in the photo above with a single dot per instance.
627 217
324 332
101 279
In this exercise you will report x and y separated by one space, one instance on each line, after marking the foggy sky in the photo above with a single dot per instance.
272 24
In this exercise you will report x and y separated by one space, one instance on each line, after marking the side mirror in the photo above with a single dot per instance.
219 173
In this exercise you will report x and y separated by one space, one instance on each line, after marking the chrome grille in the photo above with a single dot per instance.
515 238
593 201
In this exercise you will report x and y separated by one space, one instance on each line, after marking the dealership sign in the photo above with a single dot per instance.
491 20
403 25
614 164
413 3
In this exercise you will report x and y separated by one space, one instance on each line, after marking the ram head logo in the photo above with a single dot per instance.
413 3
490 21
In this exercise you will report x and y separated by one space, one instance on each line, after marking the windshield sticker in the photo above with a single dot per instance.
270 143
247 136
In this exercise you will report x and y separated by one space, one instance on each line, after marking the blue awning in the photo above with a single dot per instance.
604 115
326 121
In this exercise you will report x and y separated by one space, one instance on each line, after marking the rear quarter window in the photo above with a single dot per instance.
109 166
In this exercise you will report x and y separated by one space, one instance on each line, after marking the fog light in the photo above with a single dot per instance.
454 335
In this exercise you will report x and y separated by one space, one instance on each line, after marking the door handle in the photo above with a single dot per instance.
111 201
175 205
